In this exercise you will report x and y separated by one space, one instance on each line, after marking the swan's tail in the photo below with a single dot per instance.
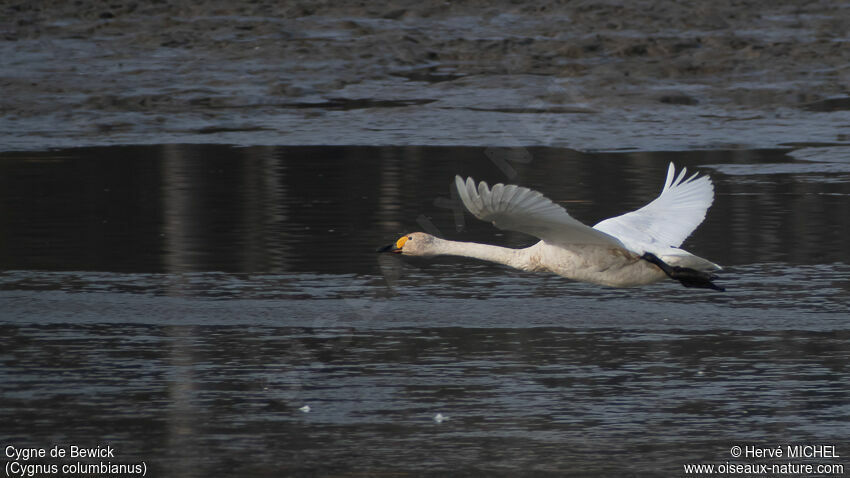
682 258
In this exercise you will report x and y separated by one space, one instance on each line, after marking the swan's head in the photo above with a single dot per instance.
413 244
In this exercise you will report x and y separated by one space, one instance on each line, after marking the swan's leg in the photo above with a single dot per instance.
687 276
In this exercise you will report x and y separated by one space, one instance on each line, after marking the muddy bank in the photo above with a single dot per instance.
588 75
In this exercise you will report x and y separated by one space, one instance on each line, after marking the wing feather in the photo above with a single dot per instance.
516 208
669 219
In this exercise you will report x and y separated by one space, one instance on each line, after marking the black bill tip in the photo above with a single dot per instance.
387 248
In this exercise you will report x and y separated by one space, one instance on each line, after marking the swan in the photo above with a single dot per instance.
638 248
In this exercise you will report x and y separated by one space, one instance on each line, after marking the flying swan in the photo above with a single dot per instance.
637 248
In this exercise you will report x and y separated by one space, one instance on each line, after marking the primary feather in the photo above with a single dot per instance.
669 219
516 208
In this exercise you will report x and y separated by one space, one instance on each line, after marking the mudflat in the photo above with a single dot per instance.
649 74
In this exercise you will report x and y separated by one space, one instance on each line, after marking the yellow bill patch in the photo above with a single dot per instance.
400 242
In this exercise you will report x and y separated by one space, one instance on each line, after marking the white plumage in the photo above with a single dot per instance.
516 208
637 248
669 219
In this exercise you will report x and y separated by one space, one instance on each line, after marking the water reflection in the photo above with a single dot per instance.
194 401
182 303
181 208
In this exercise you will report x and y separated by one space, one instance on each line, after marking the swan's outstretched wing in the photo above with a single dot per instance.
669 219
515 208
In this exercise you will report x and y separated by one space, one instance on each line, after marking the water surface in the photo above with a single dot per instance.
181 303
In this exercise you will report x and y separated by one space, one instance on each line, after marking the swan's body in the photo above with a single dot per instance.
638 248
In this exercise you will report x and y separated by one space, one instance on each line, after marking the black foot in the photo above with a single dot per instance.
687 276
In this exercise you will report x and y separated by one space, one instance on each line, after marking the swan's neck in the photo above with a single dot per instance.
517 258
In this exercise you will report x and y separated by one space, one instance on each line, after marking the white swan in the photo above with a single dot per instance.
637 248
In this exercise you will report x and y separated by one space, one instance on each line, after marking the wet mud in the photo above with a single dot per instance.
647 75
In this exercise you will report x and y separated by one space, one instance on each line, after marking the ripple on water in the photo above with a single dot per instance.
244 287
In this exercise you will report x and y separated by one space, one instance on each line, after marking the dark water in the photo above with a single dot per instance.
182 303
